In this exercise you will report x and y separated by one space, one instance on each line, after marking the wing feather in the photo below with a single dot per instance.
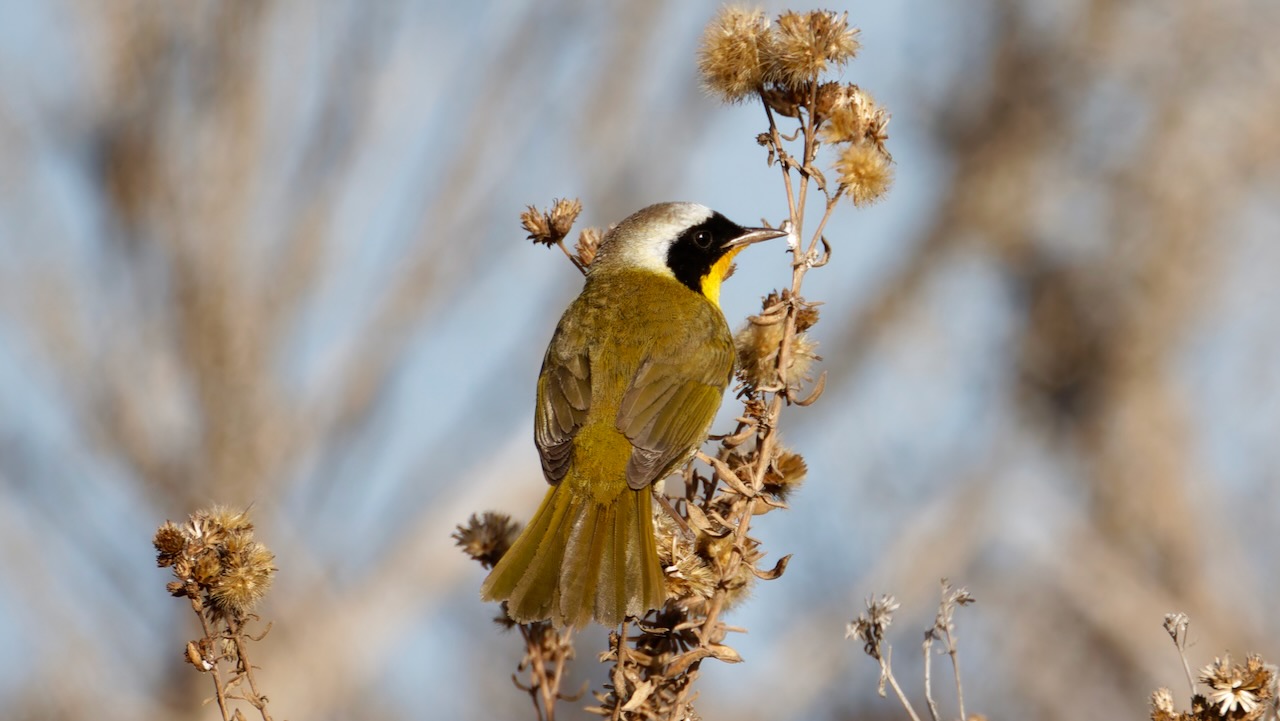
670 404
564 396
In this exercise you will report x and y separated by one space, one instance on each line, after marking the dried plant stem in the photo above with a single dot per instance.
870 627
254 697
222 572
619 643
810 150
711 631
545 674
198 607
573 257
928 681
1177 624
886 674
783 161
1186 667
955 667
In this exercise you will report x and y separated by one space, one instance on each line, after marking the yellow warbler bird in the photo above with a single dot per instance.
630 383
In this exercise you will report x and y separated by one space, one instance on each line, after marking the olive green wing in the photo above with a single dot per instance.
671 401
564 395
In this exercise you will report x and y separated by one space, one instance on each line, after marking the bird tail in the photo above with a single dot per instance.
581 558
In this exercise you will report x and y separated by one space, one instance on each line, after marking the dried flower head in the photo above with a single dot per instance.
689 576
807 44
551 227
806 312
1162 708
229 520
207 567
215 560
732 56
1238 691
758 343
785 474
869 627
865 172
851 115
588 243
737 585
487 537
1176 624
245 579
169 542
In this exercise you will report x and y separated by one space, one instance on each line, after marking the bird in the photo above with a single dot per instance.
630 383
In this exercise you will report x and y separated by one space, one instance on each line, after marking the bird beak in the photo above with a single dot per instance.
755 235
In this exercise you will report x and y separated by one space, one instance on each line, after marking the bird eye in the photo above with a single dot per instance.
702 239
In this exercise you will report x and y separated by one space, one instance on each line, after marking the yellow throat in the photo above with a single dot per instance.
714 277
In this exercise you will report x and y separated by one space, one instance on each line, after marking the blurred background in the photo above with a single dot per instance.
269 254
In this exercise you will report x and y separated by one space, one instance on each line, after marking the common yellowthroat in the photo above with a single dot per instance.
633 376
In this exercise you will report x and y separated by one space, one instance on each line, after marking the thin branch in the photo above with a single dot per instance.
886 674
928 683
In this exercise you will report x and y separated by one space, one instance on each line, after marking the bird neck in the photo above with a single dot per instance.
716 275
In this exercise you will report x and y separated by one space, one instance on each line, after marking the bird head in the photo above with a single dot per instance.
689 242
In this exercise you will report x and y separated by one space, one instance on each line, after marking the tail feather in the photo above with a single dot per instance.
580 567
644 573
580 559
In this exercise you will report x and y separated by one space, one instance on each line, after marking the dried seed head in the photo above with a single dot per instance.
588 243
785 474
732 56
1175 624
738 585
551 227
169 542
869 627
1239 691
829 97
207 567
690 580
230 520
806 45
487 537
865 172
563 213
759 342
803 354
1162 705
245 580
218 561
852 117
806 312
537 225
806 318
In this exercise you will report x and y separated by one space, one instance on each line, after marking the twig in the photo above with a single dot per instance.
955 666
255 698
928 683
198 607
1176 625
886 674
